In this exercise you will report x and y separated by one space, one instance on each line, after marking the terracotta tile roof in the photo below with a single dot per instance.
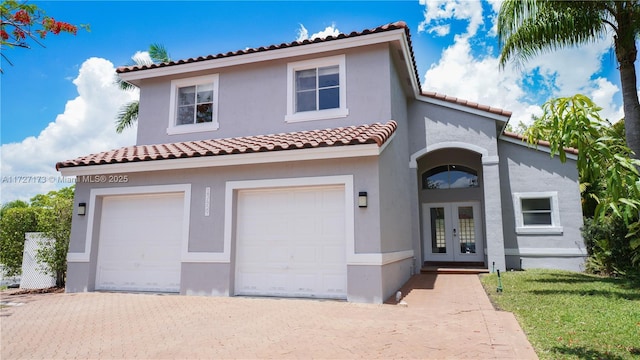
540 143
467 103
388 27
344 136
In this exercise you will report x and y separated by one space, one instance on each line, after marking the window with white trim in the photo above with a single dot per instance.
537 213
194 105
316 89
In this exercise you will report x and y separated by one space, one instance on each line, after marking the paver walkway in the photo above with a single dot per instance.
446 317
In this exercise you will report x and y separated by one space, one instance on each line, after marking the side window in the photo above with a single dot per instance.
316 89
537 213
194 105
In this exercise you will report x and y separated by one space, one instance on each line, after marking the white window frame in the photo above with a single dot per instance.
342 111
174 129
554 229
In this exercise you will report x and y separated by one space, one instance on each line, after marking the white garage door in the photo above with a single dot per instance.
291 242
139 244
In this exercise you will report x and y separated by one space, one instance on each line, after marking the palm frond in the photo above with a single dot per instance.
527 28
158 53
127 116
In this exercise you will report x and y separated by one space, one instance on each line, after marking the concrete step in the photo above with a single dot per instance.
452 270
452 267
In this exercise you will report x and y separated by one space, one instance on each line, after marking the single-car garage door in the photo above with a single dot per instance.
139 243
291 242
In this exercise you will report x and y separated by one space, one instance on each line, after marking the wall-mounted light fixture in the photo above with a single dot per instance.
82 209
362 199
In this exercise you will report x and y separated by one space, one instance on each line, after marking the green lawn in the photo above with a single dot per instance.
569 315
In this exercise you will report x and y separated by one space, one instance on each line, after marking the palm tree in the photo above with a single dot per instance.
129 112
529 27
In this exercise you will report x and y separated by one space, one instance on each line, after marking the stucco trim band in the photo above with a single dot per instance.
546 252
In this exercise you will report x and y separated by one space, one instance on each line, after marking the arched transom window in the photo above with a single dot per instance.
450 177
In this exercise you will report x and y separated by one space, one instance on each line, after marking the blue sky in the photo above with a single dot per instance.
57 102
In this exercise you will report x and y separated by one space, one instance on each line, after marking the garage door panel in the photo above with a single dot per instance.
305 255
333 255
332 227
140 243
296 245
305 284
334 283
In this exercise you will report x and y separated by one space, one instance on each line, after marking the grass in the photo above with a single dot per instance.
569 315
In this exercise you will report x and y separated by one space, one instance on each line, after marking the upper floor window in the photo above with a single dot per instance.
316 89
450 177
537 213
194 105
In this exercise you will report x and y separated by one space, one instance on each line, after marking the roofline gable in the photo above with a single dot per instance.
464 105
394 32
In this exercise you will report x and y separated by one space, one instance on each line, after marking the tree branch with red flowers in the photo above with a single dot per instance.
22 23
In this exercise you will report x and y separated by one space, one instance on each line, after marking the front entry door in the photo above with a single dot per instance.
452 232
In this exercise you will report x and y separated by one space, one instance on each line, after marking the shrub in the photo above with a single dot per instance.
608 246
14 223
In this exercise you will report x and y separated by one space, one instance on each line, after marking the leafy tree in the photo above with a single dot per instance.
608 173
14 223
21 23
12 205
518 129
54 222
529 27
129 112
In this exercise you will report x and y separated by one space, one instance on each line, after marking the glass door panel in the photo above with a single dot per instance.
452 232
438 238
466 230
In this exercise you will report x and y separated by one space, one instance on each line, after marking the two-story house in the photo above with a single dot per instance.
312 169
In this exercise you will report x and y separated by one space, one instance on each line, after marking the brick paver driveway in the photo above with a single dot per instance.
448 316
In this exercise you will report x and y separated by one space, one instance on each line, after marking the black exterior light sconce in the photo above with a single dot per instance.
362 199
82 209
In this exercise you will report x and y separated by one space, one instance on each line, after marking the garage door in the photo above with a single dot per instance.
139 243
291 242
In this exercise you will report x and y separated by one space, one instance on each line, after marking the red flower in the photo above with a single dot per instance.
56 27
22 16
19 34
4 35
42 33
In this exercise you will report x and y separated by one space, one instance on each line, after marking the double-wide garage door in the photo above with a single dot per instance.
291 242
139 243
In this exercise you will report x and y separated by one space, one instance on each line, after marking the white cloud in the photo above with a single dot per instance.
86 126
303 33
459 74
602 94
440 30
142 57
439 11
478 78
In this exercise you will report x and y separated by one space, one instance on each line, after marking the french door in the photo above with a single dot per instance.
452 232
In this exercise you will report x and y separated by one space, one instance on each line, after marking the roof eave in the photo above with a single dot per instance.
134 77
332 152
519 140
502 117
